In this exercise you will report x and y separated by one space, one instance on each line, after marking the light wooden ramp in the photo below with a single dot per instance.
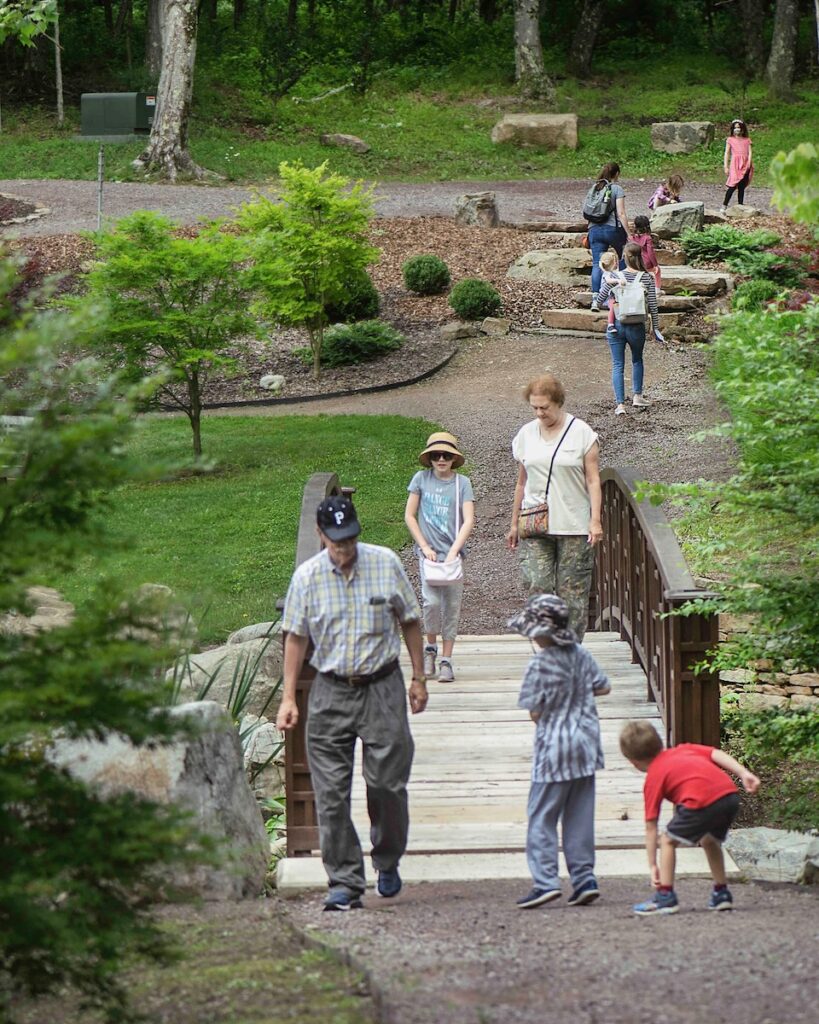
470 776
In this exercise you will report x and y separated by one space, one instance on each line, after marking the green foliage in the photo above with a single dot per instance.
752 296
426 275
76 870
174 302
349 344
473 299
721 241
796 183
359 302
783 269
306 244
24 20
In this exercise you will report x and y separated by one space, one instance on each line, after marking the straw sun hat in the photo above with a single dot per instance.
441 442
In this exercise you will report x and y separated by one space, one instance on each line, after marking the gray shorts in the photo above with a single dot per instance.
691 824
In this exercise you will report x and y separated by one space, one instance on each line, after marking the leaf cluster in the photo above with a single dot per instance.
752 296
721 241
769 266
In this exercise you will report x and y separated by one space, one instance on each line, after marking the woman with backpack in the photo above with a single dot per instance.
636 297
605 210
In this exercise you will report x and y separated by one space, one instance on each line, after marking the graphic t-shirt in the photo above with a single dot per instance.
684 775
436 512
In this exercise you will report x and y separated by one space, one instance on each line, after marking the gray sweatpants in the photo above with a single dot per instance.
549 802
442 606
338 715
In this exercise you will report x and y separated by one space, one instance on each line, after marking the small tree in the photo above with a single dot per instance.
173 301
25 20
75 869
306 245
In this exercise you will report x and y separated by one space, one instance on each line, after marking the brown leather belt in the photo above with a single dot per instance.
371 677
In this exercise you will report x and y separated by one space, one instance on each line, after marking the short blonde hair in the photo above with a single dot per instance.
609 261
639 741
547 386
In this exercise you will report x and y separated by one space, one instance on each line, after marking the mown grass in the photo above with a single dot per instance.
424 126
225 541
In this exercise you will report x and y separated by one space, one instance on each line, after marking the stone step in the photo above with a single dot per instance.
585 320
667 303
574 227
677 280
667 258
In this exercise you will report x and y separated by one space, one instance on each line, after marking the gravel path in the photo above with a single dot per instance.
73 204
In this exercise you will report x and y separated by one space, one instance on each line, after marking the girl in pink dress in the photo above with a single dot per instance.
738 163
642 237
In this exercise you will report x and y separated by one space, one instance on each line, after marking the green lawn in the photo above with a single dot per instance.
429 127
225 542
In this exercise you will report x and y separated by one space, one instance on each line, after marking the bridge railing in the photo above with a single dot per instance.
641 579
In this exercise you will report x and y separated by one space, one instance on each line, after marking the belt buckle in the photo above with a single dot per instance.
355 680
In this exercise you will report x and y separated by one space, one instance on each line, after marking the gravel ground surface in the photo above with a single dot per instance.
464 954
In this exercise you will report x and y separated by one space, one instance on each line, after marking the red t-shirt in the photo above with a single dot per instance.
684 775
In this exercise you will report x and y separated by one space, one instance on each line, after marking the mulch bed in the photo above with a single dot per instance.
11 208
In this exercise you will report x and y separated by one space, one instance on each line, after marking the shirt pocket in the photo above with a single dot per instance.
377 619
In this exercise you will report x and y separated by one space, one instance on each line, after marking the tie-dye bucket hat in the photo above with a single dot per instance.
544 615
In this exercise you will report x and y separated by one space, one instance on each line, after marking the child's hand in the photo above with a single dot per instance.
535 715
750 782
659 336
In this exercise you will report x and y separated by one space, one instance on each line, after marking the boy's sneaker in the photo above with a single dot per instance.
611 329
389 883
445 673
660 903
586 893
430 654
721 899
537 897
338 899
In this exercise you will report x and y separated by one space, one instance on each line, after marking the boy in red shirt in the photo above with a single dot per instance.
705 802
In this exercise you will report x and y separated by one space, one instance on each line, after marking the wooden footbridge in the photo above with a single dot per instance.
470 776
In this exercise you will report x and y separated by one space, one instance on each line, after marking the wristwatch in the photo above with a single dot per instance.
420 679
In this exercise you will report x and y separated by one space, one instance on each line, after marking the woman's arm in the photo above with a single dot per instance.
653 308
622 216
411 519
466 528
520 486
591 468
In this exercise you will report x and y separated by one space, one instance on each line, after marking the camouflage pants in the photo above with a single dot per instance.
562 566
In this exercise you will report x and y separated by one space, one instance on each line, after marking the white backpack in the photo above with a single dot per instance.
631 300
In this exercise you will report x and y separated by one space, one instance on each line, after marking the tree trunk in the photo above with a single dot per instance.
195 412
488 10
108 9
753 22
167 152
585 36
783 48
154 21
58 69
239 11
292 17
529 71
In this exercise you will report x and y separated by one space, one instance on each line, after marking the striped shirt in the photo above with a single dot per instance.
648 286
352 621
560 683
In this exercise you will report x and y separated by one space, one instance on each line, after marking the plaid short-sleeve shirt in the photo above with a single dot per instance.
352 621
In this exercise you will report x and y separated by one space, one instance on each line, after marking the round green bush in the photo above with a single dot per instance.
473 299
360 301
348 344
753 296
426 275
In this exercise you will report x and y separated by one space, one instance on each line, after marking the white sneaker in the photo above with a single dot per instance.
445 673
620 410
723 210
430 654
640 402
595 305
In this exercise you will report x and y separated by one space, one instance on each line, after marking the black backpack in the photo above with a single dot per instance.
598 204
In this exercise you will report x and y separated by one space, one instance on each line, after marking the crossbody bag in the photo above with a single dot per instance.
534 522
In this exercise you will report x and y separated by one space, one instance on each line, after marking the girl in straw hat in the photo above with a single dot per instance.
440 514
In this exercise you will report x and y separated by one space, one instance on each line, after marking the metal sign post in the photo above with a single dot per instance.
100 176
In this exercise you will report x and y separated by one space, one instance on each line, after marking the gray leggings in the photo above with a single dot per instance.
442 606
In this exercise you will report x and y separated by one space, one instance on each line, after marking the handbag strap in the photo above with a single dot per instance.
554 455
457 506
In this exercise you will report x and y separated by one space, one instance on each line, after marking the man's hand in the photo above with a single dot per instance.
418 696
288 715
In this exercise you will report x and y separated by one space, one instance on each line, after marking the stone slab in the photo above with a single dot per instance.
545 131
585 319
666 303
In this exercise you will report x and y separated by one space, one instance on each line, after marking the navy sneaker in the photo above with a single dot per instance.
586 893
660 903
389 883
338 899
721 899
537 897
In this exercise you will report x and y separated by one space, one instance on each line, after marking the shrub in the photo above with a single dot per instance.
360 301
753 296
720 241
348 344
426 275
782 269
473 299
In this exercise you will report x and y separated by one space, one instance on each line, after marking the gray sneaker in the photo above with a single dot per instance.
445 673
430 653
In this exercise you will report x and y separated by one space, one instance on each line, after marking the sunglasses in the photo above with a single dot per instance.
434 456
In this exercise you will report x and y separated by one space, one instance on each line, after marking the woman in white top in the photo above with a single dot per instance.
562 562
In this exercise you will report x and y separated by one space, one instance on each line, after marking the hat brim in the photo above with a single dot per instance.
346 532
441 446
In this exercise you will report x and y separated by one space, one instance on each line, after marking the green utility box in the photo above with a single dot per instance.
116 113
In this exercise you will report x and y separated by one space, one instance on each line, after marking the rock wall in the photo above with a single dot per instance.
759 685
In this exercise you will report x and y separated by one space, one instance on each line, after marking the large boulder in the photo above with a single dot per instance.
477 209
775 855
741 212
567 267
670 221
547 131
256 631
46 610
345 141
681 136
203 774
262 657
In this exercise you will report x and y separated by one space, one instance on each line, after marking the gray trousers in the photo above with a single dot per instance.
442 606
549 802
377 714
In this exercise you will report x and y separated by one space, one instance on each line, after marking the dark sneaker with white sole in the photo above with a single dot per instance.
721 899
660 903
389 883
537 897
585 894
341 900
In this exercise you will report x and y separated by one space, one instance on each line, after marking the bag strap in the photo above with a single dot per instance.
554 456
457 506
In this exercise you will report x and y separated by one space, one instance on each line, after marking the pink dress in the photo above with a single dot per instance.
740 160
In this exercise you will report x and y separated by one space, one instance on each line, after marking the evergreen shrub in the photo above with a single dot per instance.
349 344
426 275
360 301
473 299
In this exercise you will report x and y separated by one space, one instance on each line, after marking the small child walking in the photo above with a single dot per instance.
558 690
642 237
608 265
706 801
667 192
440 515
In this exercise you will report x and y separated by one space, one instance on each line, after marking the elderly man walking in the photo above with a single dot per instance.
353 601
